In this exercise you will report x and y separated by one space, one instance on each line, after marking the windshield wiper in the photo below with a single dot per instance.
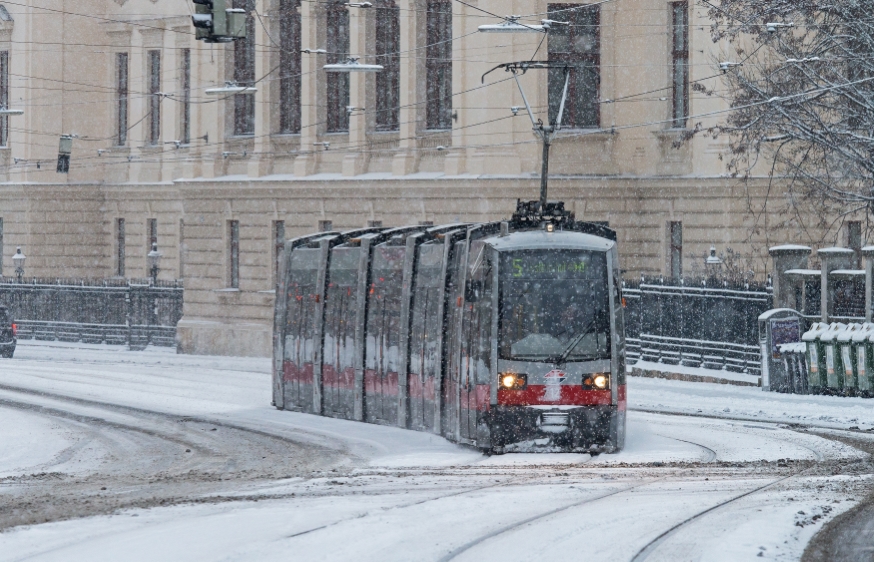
561 359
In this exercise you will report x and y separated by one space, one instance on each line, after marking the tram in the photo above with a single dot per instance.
504 336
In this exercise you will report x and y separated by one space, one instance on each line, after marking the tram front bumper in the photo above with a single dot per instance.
573 427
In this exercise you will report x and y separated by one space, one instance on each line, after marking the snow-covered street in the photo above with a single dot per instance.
108 454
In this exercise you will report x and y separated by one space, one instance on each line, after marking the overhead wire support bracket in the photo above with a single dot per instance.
545 132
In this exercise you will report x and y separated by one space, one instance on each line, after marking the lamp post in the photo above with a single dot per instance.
713 263
154 260
18 260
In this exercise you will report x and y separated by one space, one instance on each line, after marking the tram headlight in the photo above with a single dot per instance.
598 381
513 381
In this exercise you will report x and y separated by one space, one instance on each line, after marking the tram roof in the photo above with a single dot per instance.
540 239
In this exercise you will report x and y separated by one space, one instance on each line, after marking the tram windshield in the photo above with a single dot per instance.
554 306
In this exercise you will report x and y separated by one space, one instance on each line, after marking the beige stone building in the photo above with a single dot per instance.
217 180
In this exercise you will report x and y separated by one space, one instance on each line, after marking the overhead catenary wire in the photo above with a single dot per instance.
426 101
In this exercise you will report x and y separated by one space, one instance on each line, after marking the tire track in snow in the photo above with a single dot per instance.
279 435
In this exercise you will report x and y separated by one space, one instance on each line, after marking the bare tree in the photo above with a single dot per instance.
800 81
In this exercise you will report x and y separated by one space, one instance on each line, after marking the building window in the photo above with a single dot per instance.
337 27
675 251
854 240
119 247
289 67
388 82
234 254
278 247
679 64
578 45
185 79
154 97
438 65
121 96
326 225
4 97
244 73
182 249
151 233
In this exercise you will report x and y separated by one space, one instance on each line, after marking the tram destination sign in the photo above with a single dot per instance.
553 264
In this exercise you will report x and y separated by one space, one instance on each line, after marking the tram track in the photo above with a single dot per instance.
654 544
711 454
651 547
498 532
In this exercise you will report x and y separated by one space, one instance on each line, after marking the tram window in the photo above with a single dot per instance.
484 327
553 305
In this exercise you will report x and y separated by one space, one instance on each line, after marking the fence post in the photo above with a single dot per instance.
868 253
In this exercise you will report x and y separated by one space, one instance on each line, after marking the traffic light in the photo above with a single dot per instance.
214 22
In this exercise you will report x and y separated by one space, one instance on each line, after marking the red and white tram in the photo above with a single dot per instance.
497 335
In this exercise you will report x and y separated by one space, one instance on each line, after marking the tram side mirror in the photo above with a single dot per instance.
472 290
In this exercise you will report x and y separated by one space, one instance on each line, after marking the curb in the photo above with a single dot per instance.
635 372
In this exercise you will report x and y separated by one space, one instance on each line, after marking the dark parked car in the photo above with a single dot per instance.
8 332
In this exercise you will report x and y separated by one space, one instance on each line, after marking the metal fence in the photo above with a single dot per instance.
133 312
695 322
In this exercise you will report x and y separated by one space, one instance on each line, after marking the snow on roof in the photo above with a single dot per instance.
834 250
847 272
789 247
803 272
543 239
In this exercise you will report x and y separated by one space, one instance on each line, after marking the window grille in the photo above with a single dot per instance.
278 247
119 249
234 254
152 233
676 249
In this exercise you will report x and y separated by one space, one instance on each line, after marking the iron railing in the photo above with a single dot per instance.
133 312
695 322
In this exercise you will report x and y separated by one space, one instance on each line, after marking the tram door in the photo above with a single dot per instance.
475 341
300 325
425 353
451 349
382 339
338 356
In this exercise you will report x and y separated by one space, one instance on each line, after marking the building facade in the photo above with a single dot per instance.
218 181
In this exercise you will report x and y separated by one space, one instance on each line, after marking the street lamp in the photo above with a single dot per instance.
18 260
351 64
713 263
154 260
231 89
511 25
